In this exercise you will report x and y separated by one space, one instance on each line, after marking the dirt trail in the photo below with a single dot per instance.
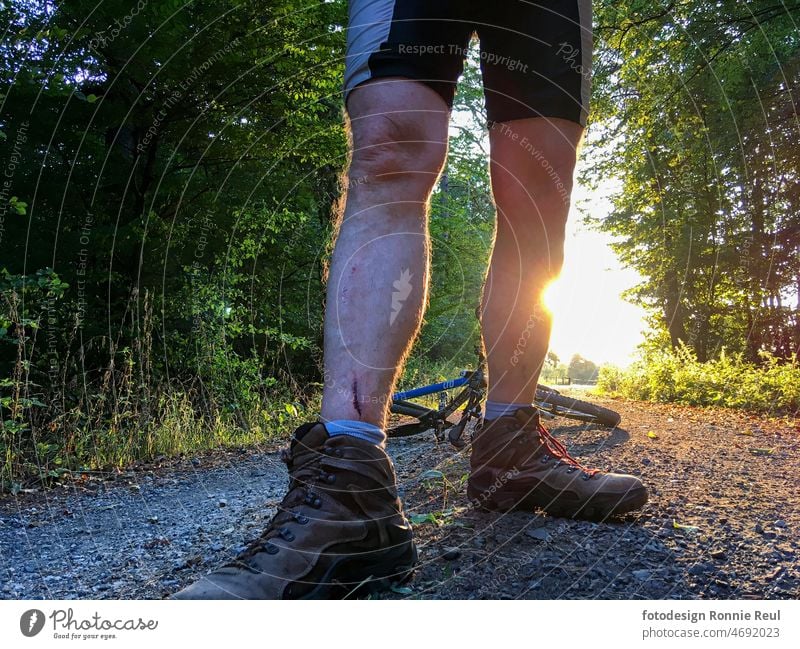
723 519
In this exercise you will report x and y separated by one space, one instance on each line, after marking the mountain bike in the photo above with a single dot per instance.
471 386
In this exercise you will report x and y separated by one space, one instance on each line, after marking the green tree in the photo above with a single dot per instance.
190 150
697 102
582 369
173 167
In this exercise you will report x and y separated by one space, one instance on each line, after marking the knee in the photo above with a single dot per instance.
541 181
533 200
532 241
396 148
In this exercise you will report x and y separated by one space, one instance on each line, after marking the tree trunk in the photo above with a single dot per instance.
674 314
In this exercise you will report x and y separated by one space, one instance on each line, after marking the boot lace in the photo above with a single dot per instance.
556 450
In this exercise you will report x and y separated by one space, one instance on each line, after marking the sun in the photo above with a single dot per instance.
589 316
550 295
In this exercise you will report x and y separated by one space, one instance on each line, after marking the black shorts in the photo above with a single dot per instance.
535 55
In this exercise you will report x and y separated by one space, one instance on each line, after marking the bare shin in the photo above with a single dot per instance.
378 279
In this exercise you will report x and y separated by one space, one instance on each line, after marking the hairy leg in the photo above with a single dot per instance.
532 163
377 285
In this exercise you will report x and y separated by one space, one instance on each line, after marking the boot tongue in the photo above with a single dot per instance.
527 417
307 439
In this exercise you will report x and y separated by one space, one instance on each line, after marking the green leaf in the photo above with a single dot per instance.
401 590
685 528
18 206
420 519
432 474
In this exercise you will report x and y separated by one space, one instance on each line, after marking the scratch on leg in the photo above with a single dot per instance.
356 404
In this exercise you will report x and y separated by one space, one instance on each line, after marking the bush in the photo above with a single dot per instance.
58 418
729 381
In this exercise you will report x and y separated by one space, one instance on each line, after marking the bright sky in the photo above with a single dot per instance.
589 317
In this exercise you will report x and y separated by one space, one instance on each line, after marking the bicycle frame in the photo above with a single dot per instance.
431 389
471 397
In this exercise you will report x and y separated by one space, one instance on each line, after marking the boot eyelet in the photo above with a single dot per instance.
317 502
571 469
330 478
301 519
269 548
286 535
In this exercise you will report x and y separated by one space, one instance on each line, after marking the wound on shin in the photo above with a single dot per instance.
356 404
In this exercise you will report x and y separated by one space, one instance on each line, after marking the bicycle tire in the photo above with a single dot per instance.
603 416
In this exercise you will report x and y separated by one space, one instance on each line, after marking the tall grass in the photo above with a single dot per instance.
729 381
72 422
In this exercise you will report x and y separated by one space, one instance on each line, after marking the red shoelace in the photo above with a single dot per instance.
558 451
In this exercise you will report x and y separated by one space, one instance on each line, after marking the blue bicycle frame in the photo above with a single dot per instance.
430 389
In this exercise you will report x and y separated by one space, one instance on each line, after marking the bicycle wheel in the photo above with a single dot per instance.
601 415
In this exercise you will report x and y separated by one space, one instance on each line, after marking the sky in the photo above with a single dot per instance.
589 316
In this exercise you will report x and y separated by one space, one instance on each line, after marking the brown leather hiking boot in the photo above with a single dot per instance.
518 464
339 529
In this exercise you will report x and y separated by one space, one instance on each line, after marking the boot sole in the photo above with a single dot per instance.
598 508
352 577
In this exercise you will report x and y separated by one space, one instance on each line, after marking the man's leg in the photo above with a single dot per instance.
532 164
537 63
379 273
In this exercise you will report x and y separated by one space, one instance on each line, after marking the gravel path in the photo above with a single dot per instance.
722 522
